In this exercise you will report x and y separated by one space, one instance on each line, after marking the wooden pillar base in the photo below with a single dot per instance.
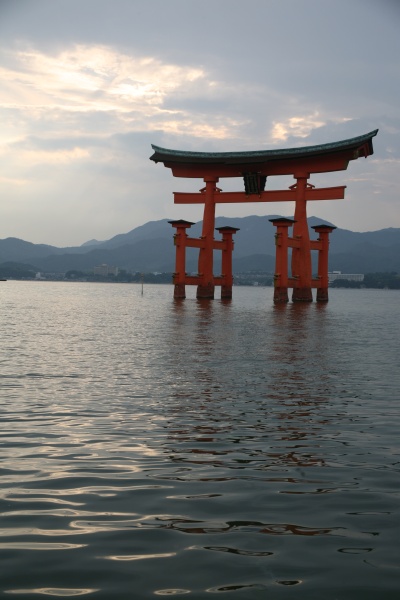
179 291
302 294
205 291
281 295
226 292
322 295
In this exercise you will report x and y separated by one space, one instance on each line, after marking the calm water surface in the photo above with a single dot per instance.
231 449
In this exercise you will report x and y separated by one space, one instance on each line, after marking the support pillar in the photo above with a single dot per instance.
301 255
226 268
323 261
206 254
281 259
180 237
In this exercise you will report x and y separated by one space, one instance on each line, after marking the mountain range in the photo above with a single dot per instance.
150 248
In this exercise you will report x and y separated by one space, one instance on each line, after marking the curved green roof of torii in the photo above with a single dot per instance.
183 156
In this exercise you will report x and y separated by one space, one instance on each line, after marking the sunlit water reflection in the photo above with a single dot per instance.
159 448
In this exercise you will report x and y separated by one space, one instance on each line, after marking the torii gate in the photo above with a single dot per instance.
254 167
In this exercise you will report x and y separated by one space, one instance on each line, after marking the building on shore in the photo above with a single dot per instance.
105 270
334 275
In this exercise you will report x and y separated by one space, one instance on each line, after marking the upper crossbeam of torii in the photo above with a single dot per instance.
255 167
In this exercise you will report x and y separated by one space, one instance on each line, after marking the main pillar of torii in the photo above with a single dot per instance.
255 167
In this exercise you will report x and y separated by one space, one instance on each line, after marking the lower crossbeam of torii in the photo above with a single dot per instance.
255 167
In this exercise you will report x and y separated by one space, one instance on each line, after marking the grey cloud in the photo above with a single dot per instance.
270 61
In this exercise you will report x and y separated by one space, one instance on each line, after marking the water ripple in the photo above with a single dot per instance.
258 456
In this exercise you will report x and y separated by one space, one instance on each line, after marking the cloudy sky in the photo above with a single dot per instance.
86 86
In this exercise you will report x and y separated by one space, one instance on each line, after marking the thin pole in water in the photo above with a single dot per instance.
142 279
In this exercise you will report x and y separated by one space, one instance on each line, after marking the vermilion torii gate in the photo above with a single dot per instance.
255 167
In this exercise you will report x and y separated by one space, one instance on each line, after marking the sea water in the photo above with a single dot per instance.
234 449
